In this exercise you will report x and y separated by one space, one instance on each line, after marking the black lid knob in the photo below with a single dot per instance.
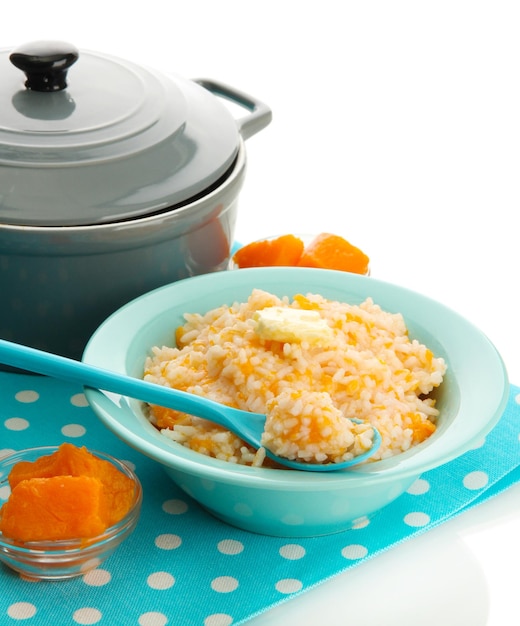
45 63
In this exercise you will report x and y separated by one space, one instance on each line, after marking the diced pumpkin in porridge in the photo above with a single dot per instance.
421 428
168 418
305 425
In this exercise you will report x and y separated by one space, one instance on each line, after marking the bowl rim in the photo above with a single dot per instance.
116 413
57 548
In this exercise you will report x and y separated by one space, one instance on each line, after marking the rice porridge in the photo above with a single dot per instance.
319 363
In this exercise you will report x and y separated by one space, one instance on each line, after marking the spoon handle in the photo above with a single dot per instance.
61 367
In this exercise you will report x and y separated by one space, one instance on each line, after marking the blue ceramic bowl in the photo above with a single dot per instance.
285 502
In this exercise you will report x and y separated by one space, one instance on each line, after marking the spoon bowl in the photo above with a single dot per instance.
248 426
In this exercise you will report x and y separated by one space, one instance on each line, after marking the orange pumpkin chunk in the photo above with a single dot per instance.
167 418
422 428
68 460
328 251
59 507
38 478
284 250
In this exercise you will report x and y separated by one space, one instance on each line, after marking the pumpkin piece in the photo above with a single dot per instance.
422 428
167 418
68 460
118 489
285 250
328 251
25 470
118 492
53 508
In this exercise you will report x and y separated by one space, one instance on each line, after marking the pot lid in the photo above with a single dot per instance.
87 138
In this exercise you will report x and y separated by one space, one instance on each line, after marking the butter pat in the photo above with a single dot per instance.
287 325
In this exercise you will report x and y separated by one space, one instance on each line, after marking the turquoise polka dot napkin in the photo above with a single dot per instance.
181 566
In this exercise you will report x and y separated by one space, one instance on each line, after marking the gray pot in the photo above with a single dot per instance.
114 180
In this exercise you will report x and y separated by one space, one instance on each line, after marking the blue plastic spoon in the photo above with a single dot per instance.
248 426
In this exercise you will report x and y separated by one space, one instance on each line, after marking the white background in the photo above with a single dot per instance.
397 125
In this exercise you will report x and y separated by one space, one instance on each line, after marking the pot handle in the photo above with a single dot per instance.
260 114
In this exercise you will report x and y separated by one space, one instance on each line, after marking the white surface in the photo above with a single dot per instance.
396 124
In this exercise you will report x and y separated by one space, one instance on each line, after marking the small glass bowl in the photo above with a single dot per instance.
58 560
305 237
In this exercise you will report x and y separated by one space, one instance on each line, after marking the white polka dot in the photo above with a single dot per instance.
21 610
73 430
174 507
168 541
394 492
243 509
478 444
16 423
224 584
152 619
97 578
230 546
129 464
87 615
292 551
89 565
27 396
475 480
354 551
340 508
218 619
289 585
160 580
416 519
517 398
419 487
79 400
360 522
293 520
5 492
6 452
